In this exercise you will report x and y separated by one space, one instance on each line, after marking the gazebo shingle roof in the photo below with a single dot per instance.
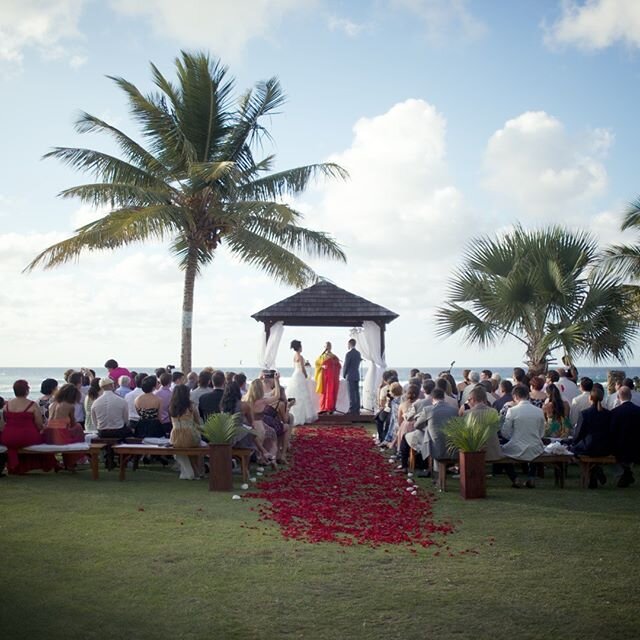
324 304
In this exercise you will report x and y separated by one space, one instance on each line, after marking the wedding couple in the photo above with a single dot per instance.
327 378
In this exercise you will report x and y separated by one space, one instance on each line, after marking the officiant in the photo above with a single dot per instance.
327 377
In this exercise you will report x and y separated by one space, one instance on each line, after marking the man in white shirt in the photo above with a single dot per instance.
568 388
612 401
523 427
582 402
110 413
130 399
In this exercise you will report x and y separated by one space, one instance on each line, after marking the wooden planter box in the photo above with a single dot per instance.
473 483
220 465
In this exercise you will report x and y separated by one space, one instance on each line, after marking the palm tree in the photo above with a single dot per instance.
195 181
625 259
544 289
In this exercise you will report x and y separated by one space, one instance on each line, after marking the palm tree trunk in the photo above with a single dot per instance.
187 312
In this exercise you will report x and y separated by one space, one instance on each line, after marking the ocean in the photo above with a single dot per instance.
35 375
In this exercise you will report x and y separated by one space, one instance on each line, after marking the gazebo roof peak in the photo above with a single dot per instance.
324 304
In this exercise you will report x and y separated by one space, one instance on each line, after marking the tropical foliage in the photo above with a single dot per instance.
194 180
471 432
222 428
544 289
625 259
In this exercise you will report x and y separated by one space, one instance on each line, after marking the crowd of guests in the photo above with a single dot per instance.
531 411
165 404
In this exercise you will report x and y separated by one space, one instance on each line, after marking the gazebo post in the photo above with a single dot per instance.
382 326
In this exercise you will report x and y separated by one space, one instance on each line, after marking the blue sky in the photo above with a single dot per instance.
454 119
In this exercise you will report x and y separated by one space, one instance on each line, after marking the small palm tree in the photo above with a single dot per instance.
625 259
544 289
472 431
195 181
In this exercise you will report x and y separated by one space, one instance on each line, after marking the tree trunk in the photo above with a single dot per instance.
187 312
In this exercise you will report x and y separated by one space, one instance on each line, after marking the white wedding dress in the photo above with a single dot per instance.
305 408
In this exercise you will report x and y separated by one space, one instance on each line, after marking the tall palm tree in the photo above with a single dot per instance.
625 259
542 288
195 181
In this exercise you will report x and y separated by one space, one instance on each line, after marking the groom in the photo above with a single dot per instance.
351 373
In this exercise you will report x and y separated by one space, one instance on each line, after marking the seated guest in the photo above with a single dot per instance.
130 399
568 388
276 414
478 404
449 398
395 391
428 385
209 403
506 387
556 413
148 407
461 386
177 377
232 403
204 386
62 427
428 438
164 393
485 374
22 428
77 378
266 437
48 389
625 434
192 380
523 428
124 386
537 395
474 379
115 371
92 395
185 431
581 402
593 434
109 412
406 415
488 387
241 379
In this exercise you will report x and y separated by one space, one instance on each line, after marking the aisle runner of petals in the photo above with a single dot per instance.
339 488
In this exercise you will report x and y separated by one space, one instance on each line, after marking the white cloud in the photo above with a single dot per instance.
534 163
75 62
445 19
224 26
596 24
41 24
346 26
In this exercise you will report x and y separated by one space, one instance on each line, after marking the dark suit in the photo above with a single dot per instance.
625 433
593 433
210 403
351 373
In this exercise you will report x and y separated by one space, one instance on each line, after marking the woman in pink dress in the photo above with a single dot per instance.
62 427
23 426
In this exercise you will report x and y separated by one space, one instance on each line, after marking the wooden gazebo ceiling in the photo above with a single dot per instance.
324 305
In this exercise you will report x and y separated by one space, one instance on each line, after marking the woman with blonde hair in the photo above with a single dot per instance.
266 437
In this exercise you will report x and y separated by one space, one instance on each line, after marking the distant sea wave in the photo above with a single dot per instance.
35 375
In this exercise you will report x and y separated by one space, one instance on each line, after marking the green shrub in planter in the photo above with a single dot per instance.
222 428
472 431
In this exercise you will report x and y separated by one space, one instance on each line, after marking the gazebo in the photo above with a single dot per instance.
326 305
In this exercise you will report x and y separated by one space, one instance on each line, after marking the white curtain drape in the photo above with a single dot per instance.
368 343
269 348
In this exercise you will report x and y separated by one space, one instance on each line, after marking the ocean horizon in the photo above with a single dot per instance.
35 375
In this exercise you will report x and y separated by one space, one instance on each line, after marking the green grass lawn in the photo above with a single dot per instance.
156 557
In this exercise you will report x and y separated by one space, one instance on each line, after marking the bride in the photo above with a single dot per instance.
303 411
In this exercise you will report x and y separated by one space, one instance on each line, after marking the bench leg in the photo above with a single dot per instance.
244 465
442 476
95 464
412 460
123 466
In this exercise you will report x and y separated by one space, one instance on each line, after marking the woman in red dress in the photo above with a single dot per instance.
23 425
62 427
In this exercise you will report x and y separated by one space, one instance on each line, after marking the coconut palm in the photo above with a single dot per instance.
195 181
542 288
625 259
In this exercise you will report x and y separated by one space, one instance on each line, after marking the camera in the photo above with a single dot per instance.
170 367
269 373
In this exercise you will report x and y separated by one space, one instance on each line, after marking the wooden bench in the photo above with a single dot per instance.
109 443
93 452
125 451
559 467
587 463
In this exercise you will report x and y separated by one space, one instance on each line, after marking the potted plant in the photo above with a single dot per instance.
220 429
468 435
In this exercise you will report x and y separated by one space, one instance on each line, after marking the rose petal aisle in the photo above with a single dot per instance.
340 489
